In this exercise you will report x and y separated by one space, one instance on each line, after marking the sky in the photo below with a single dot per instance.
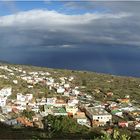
56 24
67 26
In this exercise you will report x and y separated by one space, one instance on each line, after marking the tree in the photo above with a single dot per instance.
115 136
28 114
63 124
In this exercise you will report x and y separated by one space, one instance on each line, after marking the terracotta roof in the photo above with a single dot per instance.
15 110
24 121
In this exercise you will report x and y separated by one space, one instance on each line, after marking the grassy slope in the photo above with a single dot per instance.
119 85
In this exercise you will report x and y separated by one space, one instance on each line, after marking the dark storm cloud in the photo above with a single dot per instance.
119 24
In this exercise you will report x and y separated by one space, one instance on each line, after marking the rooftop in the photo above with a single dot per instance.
97 111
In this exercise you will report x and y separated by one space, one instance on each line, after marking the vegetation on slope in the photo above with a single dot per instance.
120 86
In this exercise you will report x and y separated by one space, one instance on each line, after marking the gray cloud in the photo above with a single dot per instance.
43 29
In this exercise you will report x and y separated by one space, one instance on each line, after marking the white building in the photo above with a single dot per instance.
2 101
71 109
15 81
63 79
71 78
6 109
98 114
51 101
73 102
29 86
50 81
76 92
66 93
35 109
22 103
21 108
81 118
32 104
60 90
29 97
21 97
137 126
5 92
66 86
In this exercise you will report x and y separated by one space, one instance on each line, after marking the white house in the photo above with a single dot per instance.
50 87
60 90
24 71
71 109
15 81
21 97
22 103
20 107
137 126
80 117
29 97
12 74
66 85
127 108
35 109
72 102
71 78
98 114
76 92
2 101
60 103
66 93
29 86
51 101
6 109
32 104
50 81
5 92
63 79
42 102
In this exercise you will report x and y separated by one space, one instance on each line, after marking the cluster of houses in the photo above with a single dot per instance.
4 93
70 102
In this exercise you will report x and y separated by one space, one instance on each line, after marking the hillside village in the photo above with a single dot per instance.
63 98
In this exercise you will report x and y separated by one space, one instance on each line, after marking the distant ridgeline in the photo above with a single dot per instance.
3 62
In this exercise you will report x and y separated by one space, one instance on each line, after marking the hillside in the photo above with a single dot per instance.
119 85
93 88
